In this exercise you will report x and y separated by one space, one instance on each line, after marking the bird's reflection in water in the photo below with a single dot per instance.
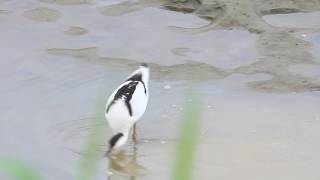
125 165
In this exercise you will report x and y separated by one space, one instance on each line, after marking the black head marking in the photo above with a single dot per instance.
135 77
144 64
114 140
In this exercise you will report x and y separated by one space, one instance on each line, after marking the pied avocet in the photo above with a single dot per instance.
126 105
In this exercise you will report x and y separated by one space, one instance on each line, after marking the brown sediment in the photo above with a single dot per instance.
130 6
2 11
75 31
279 50
293 83
278 47
180 51
191 70
91 55
87 53
68 2
43 14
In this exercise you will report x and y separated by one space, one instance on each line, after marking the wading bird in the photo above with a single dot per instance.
126 105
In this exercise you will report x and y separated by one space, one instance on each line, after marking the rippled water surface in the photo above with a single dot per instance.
255 64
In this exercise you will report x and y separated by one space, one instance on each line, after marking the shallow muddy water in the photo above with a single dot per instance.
255 65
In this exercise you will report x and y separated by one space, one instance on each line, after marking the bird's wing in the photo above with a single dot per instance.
139 101
124 94
111 98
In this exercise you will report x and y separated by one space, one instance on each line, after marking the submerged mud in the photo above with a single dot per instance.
4 11
76 31
42 14
187 71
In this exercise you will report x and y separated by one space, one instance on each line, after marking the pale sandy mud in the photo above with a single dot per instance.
308 70
295 20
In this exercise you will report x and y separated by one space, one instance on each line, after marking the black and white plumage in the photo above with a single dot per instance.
126 105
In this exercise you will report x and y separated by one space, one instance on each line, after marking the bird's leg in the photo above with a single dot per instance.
134 133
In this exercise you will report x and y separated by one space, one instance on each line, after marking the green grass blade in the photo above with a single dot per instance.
18 169
187 141
88 163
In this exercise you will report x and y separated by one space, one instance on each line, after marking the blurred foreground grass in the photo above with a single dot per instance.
88 163
18 169
187 141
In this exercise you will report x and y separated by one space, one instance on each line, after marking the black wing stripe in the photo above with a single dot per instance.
108 108
144 86
129 108
125 93
138 77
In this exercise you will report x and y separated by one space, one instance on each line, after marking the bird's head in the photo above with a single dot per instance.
144 70
141 74
117 141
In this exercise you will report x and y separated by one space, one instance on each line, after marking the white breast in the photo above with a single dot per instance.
118 114
118 117
139 102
